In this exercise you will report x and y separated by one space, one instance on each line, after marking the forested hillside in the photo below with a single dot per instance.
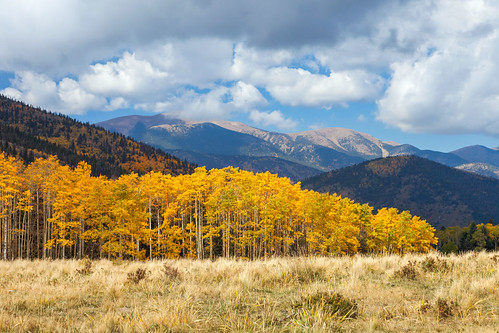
442 195
48 210
29 132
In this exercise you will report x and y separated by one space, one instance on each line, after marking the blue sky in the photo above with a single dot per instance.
417 72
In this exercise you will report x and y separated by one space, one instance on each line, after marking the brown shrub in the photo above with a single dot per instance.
444 309
431 264
409 271
137 276
86 267
171 273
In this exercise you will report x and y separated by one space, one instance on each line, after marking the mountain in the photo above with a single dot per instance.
245 146
222 143
442 195
483 169
481 154
30 132
283 168
448 159
233 143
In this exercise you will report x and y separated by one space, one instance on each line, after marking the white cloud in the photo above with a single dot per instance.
75 100
61 36
192 105
431 65
117 103
246 96
35 88
12 93
251 64
218 103
195 61
454 88
274 118
127 76
298 87
65 97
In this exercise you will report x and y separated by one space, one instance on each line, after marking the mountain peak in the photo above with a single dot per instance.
347 140
322 149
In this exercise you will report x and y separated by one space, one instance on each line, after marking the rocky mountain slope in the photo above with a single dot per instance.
221 143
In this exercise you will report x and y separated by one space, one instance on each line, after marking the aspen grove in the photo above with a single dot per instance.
49 210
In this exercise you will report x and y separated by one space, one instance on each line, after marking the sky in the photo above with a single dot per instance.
420 72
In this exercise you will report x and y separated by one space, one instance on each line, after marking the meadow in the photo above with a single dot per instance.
389 293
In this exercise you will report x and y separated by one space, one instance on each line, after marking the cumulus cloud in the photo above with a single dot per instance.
299 87
246 96
127 76
274 118
65 97
429 65
453 88
74 99
61 35
194 61
218 103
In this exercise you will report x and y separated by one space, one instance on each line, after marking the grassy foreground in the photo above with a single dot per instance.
420 293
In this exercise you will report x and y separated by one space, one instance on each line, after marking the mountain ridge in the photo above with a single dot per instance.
323 149
443 195
30 132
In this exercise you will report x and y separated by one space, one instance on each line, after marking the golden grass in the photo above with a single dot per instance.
414 293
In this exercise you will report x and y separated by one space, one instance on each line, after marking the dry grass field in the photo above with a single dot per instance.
413 293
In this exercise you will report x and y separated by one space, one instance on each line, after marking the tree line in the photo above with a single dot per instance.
27 133
474 237
50 210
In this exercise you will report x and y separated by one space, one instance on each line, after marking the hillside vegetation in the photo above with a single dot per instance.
412 293
29 132
48 210
441 195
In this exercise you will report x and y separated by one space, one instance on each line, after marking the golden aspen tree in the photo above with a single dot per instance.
151 188
424 236
214 210
128 225
171 233
43 174
9 192
49 210
24 206
61 222
98 208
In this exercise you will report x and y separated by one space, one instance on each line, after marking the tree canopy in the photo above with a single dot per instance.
49 210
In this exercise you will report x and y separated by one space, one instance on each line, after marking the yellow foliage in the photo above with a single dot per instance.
215 213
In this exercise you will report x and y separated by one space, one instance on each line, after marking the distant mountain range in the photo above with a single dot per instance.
300 155
29 132
442 195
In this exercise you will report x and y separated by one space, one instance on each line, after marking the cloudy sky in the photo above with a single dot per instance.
422 72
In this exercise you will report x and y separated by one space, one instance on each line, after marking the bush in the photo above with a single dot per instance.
137 276
430 264
86 267
171 273
409 271
444 309
334 304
